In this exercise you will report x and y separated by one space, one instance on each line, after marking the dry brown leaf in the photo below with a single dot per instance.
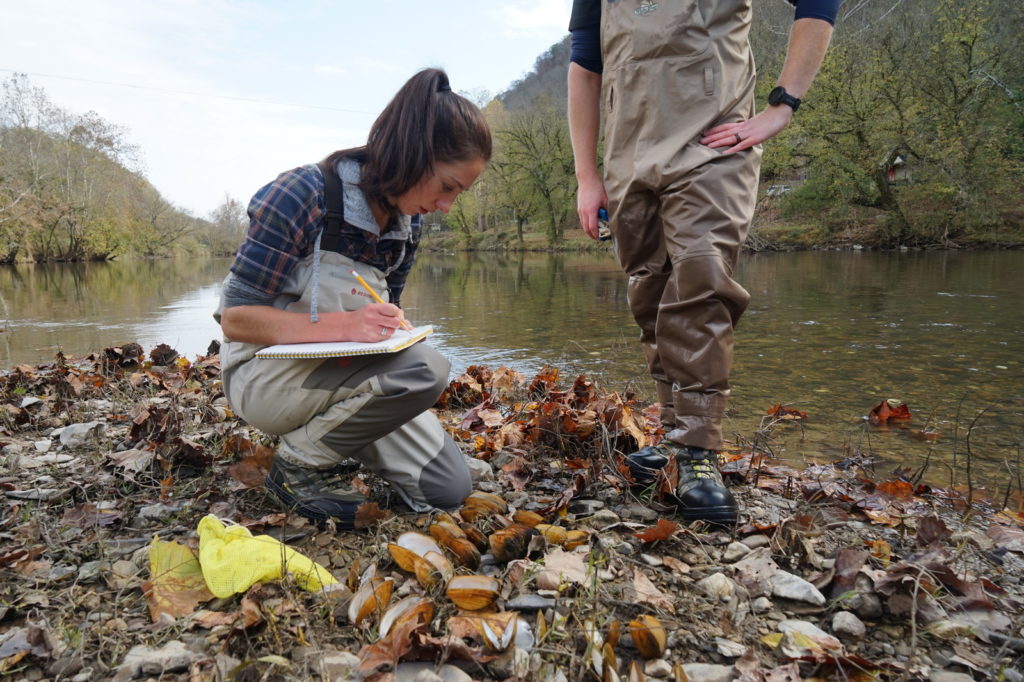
647 592
368 514
569 566
663 530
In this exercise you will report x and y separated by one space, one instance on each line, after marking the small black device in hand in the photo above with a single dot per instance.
603 231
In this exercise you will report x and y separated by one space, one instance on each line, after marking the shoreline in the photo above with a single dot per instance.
831 573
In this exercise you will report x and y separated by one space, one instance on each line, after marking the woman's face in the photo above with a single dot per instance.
437 190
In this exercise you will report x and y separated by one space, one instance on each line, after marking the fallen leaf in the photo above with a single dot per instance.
176 583
881 550
1007 537
663 530
779 411
931 529
569 566
647 592
368 514
887 411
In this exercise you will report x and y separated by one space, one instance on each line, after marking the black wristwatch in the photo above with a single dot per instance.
778 95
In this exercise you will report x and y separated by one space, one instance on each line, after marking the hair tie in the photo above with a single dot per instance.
444 87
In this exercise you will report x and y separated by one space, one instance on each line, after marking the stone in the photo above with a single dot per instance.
755 541
706 672
717 586
75 435
789 586
639 512
582 507
949 676
652 560
761 605
729 648
735 551
599 519
173 656
122 574
158 511
658 668
479 470
848 626
421 672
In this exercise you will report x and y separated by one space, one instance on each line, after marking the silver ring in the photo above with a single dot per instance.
383 331
738 138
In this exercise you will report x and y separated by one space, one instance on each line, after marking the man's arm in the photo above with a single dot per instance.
808 42
584 126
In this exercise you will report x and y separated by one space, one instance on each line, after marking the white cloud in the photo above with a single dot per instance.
538 14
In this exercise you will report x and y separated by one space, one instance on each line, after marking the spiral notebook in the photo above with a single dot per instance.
402 338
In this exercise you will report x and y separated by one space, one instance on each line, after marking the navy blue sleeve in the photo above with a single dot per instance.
826 10
585 48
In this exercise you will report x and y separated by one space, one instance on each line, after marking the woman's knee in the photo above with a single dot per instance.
445 481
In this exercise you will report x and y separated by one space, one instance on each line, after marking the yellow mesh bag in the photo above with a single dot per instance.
233 559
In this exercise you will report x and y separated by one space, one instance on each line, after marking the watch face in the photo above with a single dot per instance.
775 96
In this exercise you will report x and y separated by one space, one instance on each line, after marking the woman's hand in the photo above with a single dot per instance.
374 322
266 326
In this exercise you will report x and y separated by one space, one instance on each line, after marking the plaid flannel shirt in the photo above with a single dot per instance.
285 218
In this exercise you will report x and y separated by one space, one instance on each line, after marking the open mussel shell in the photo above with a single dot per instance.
413 607
511 543
371 597
472 592
433 568
499 631
649 636
408 547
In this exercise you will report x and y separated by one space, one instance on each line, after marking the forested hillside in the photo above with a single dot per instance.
71 190
913 134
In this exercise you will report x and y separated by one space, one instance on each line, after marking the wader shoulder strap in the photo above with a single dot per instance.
333 199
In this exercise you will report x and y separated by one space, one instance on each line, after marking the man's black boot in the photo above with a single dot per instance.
304 490
701 493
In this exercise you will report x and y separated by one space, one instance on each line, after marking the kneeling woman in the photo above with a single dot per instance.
291 282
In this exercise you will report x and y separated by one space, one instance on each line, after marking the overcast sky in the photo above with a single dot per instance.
222 95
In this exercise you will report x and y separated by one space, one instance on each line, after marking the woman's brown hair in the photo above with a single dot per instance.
425 123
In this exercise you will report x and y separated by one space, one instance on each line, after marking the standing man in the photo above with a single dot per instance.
682 153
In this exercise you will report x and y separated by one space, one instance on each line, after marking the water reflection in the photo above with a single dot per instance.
831 334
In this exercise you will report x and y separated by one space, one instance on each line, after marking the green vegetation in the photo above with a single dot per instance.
913 135
70 191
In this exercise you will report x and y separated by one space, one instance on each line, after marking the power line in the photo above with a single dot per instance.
192 94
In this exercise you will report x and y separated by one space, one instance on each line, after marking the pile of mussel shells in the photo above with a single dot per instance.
444 562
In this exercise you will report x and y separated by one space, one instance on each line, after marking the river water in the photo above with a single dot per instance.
828 333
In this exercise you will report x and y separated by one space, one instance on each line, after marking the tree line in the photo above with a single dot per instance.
71 189
913 134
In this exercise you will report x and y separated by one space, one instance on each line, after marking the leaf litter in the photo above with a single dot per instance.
564 569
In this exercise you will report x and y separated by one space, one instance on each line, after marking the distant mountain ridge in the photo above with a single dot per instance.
547 78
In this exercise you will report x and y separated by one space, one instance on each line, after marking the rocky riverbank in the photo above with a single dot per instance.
836 572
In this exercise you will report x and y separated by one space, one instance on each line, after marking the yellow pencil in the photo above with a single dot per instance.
378 299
